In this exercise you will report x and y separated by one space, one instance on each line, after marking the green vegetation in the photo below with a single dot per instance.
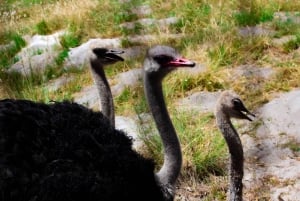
257 13
212 37
208 156
8 53
131 101
293 145
42 28
292 44
67 41
287 27
34 86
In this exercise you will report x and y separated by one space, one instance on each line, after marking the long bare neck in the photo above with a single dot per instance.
236 154
105 95
170 170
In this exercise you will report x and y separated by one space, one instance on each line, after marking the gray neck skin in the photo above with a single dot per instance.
236 153
106 99
170 170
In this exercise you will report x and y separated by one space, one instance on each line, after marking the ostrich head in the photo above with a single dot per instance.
107 56
231 105
160 60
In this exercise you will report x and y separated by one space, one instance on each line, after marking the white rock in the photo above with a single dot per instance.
267 155
129 126
200 101
38 54
79 56
127 79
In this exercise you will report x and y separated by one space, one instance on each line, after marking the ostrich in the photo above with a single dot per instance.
161 60
63 151
100 58
229 106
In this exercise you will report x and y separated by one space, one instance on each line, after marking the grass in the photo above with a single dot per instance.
67 41
133 96
284 80
35 86
287 27
238 51
179 84
254 14
8 53
292 44
293 146
42 28
202 149
211 37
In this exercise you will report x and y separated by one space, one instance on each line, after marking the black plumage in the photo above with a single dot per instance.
65 152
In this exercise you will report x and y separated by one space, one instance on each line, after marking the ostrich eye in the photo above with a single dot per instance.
100 51
163 59
237 102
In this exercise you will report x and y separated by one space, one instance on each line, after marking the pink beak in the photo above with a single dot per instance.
182 62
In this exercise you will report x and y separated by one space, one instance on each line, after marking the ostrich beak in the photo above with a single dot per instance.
245 113
181 62
113 55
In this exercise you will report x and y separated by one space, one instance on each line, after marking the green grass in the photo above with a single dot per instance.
67 41
239 50
105 20
293 146
29 3
35 86
178 84
204 147
287 27
248 18
292 44
7 55
59 60
126 43
284 80
137 29
131 101
113 71
29 87
42 28
193 14
19 85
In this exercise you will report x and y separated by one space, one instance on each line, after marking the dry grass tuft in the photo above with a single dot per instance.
54 13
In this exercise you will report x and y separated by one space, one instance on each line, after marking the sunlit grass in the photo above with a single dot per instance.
36 86
94 18
7 57
284 79
45 14
203 147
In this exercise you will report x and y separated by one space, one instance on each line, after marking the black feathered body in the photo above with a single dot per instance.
66 152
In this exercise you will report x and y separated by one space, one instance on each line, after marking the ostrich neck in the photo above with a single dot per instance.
236 154
105 96
170 170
